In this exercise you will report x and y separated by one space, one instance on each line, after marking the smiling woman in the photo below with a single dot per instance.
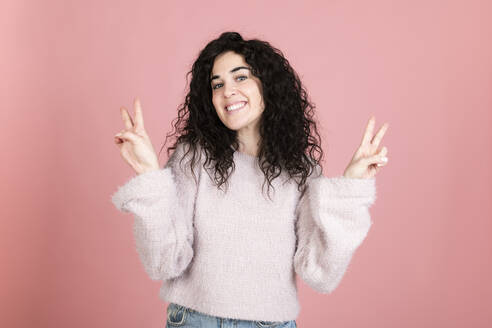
230 257
238 100
276 124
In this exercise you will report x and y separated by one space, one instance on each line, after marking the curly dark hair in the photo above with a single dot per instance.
286 124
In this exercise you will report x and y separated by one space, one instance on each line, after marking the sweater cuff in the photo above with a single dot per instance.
353 187
347 189
148 184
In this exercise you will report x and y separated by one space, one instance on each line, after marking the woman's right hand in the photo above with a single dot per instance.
134 143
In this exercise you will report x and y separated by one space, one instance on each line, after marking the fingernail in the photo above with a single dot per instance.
384 159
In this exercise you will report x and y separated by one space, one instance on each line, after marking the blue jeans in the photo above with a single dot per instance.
180 316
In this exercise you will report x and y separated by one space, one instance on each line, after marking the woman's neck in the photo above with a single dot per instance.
249 146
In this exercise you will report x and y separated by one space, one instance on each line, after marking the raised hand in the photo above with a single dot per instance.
368 158
134 143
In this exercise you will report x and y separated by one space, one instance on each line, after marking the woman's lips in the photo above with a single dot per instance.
239 109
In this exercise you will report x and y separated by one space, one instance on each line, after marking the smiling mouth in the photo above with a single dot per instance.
236 106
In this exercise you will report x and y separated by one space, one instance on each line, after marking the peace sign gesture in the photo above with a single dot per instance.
134 143
368 159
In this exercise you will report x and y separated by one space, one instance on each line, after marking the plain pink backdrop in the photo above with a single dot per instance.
425 67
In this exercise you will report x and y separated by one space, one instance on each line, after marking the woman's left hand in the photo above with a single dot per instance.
369 158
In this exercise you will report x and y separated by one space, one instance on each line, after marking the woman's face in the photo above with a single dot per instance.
233 83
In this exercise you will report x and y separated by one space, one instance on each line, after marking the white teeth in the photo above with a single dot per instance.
236 106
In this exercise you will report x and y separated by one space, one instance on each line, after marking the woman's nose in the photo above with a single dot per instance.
229 90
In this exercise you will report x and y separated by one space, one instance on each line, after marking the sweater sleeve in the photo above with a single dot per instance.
332 221
162 203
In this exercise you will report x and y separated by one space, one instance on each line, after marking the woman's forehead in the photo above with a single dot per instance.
226 62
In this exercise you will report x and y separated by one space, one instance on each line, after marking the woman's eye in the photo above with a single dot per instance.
217 85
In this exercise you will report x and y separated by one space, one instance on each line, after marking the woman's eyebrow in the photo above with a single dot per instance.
232 71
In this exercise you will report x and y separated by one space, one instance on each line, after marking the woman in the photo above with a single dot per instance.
229 256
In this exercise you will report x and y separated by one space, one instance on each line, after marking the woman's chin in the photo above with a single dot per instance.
233 127
234 124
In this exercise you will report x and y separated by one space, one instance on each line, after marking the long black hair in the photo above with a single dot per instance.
286 125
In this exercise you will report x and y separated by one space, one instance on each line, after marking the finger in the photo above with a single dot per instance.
379 135
127 119
127 136
366 139
382 160
378 159
383 151
138 114
118 140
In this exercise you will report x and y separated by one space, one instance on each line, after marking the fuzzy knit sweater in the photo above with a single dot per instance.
235 254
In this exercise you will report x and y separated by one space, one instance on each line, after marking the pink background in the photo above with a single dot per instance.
68 258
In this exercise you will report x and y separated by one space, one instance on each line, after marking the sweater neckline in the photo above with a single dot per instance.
245 156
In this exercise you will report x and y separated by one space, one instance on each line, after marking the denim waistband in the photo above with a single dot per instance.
177 307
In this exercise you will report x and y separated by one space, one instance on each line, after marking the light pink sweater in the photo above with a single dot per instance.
236 254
